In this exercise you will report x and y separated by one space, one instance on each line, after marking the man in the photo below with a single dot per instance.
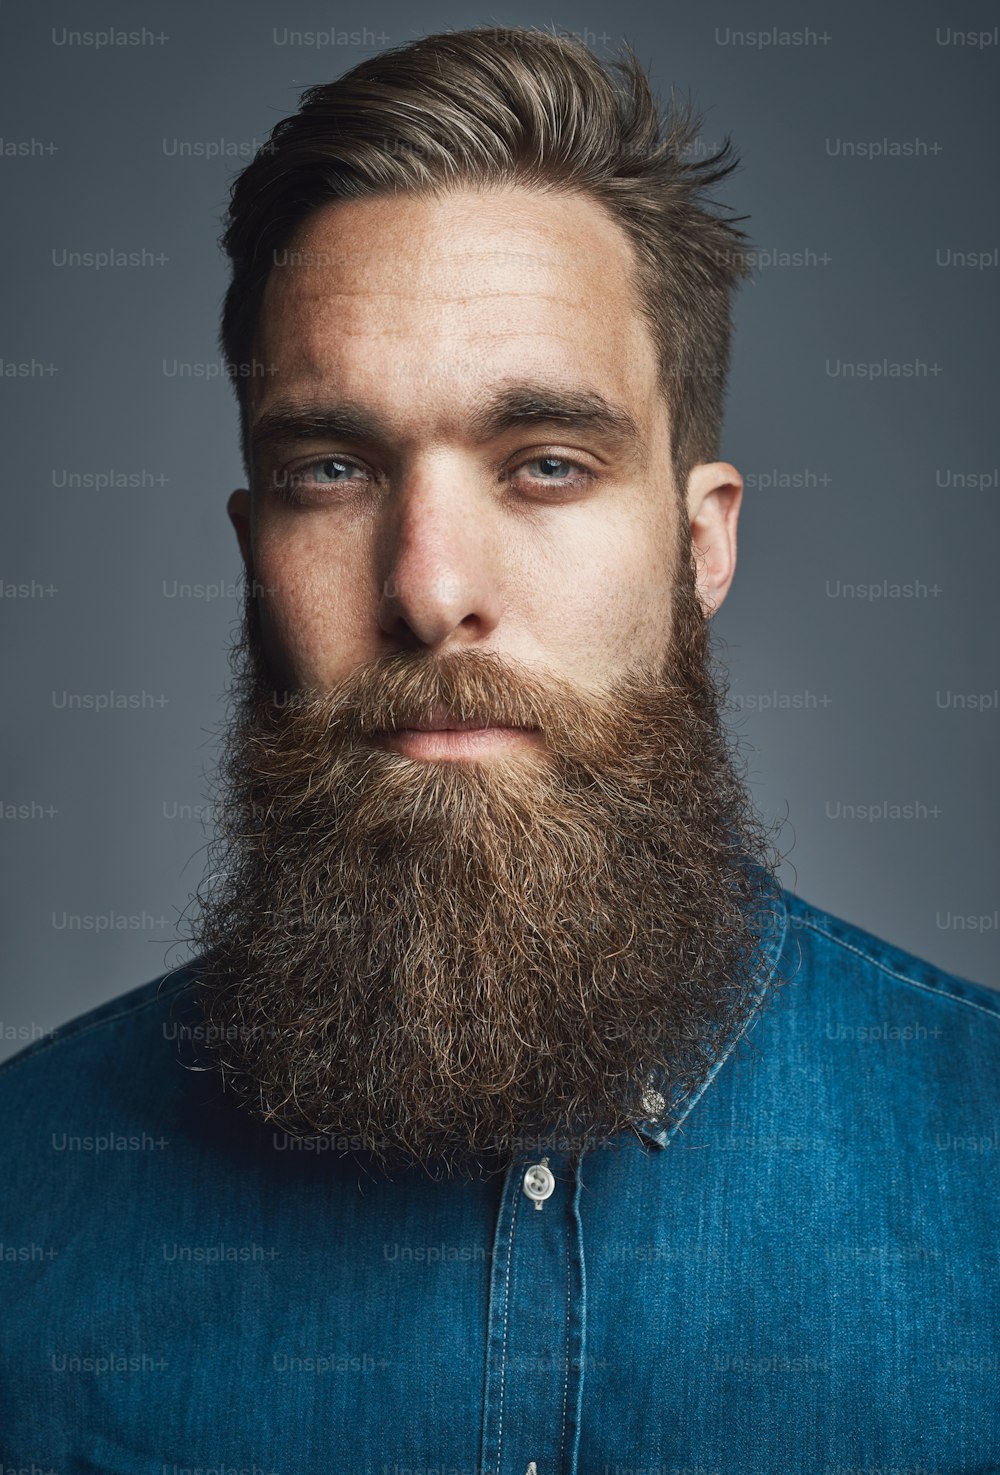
497 1124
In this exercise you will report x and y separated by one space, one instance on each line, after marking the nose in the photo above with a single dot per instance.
438 564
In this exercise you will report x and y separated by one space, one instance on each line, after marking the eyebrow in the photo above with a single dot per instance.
509 408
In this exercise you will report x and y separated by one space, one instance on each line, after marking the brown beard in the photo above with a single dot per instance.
446 962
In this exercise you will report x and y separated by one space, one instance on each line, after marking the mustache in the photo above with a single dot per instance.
403 691
458 689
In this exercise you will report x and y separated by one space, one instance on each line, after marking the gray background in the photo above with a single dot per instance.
844 700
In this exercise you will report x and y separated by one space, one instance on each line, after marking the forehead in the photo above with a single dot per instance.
416 304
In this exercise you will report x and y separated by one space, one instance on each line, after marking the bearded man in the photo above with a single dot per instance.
494 1125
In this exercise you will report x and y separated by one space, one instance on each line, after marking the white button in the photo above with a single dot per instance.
539 1183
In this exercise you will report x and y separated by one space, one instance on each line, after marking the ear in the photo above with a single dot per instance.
713 498
238 508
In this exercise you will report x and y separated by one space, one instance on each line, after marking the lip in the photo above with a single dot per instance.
470 740
443 722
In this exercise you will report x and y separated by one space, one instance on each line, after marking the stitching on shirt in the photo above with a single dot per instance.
85 1029
562 1432
938 993
581 1259
506 1314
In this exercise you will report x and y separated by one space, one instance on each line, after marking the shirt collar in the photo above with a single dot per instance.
654 1128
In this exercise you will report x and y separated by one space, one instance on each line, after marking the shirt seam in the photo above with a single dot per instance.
506 1314
927 988
63 1034
567 1346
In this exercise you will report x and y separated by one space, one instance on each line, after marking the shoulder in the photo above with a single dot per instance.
114 1028
852 950
851 995
92 1100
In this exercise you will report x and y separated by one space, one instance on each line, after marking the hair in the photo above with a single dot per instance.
487 108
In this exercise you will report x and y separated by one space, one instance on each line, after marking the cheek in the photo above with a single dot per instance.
599 606
621 577
312 608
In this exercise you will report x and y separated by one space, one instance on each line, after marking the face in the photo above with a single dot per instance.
545 538
439 945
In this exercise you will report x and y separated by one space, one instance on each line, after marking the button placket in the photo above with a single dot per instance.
536 1324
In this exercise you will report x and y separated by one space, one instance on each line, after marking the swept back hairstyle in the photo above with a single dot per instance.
485 108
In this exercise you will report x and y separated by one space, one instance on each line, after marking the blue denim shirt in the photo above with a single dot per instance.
802 1277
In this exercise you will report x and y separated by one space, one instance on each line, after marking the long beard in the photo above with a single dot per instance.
443 962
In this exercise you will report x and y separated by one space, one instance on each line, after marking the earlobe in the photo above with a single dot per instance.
238 508
714 495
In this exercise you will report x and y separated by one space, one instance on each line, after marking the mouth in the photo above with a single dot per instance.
447 737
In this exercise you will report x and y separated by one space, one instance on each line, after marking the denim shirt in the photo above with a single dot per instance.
800 1278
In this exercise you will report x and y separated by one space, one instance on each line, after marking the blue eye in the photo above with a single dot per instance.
324 472
557 471
326 467
549 462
